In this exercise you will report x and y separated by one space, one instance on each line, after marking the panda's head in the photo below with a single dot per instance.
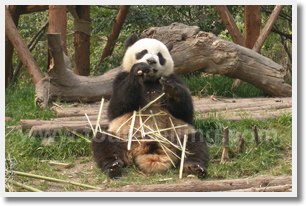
149 51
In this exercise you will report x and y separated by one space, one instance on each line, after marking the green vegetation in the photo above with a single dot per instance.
203 85
271 157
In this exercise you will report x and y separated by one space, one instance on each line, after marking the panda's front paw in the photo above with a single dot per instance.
169 86
140 69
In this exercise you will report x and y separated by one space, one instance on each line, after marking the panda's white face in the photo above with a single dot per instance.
152 52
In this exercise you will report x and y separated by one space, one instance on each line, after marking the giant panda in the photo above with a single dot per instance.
147 72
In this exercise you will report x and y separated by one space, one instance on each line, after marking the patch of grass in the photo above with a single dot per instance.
273 152
201 84
20 104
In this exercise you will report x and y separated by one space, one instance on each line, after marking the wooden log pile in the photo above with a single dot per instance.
72 118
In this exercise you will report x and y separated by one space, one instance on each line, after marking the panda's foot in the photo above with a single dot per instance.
113 169
195 169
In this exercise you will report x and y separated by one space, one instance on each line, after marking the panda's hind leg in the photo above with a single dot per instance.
196 162
107 154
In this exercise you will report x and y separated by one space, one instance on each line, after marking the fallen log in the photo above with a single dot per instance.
260 182
193 50
209 105
225 108
280 188
27 124
62 83
78 111
51 128
203 105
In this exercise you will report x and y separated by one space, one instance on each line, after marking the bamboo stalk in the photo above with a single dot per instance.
78 135
52 179
32 189
112 135
182 156
131 131
123 124
178 138
155 122
170 128
92 129
142 132
162 138
143 123
163 147
99 116
152 102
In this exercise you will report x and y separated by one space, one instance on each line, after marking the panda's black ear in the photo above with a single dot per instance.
169 46
130 41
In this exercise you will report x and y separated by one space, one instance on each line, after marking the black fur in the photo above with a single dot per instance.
107 154
141 54
130 41
196 162
161 58
178 99
131 92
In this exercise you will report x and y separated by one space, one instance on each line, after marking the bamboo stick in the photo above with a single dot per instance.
52 179
131 131
152 102
99 116
32 189
182 157
89 122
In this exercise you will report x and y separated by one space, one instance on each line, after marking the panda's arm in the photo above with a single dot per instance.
178 99
128 92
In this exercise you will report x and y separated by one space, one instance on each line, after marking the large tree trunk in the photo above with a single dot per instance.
193 50
121 16
32 44
268 26
58 24
82 40
21 48
232 28
9 49
62 83
230 24
252 21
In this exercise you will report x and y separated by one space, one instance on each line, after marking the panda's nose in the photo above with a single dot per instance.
151 61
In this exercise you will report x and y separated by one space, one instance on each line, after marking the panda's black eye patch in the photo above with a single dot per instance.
139 55
162 60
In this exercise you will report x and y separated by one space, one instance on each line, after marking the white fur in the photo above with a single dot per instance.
154 47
